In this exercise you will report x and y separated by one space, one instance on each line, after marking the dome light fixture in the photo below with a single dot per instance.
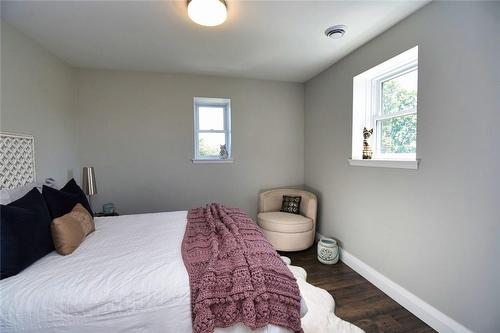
209 13
336 31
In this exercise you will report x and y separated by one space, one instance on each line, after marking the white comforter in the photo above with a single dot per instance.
127 276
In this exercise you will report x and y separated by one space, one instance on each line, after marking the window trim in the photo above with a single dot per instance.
224 103
367 108
397 164
376 110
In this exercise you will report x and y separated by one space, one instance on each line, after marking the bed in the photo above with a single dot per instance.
127 276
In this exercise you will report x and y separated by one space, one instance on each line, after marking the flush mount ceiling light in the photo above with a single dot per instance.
207 12
336 31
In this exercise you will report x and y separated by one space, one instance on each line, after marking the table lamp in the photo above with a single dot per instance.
89 186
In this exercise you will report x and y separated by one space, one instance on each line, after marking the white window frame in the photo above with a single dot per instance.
367 109
376 114
224 103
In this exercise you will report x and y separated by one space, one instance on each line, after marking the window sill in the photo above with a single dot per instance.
399 164
201 161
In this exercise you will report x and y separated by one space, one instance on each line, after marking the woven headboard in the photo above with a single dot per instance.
17 165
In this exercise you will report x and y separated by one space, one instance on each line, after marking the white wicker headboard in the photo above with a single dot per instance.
17 165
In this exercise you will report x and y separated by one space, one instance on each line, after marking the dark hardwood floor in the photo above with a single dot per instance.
357 300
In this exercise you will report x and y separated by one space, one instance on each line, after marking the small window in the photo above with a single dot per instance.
212 129
385 100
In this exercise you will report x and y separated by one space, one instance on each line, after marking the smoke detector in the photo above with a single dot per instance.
336 31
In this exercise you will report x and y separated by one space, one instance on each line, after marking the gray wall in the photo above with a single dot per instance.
136 129
435 231
38 98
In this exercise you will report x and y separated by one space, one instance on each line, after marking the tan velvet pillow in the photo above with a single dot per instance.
69 231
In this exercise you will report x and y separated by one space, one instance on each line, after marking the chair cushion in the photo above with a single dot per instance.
284 222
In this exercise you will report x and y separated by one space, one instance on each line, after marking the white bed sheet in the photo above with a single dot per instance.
127 276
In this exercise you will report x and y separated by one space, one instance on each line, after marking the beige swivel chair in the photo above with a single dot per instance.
286 231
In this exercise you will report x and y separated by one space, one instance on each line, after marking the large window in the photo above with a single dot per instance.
385 100
212 128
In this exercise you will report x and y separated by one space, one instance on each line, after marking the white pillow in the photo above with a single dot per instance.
4 197
9 195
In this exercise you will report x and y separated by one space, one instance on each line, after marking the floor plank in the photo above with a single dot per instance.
357 300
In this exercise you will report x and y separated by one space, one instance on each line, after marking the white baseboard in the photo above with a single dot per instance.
426 312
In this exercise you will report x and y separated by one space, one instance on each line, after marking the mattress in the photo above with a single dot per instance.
127 276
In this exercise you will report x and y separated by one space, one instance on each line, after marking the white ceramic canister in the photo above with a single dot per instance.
328 251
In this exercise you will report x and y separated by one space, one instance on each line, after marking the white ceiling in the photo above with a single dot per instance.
277 40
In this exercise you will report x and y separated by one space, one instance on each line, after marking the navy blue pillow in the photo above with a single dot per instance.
25 233
62 201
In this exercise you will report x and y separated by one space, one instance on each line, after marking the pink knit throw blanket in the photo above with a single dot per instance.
235 275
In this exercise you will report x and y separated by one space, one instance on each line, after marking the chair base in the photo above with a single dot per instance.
290 242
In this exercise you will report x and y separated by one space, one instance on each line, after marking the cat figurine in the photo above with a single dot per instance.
223 152
367 149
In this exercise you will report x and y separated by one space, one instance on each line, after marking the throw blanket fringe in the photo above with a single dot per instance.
235 275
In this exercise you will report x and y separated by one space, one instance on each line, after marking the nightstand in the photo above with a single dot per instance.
101 214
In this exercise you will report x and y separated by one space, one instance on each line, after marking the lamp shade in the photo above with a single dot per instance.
89 186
